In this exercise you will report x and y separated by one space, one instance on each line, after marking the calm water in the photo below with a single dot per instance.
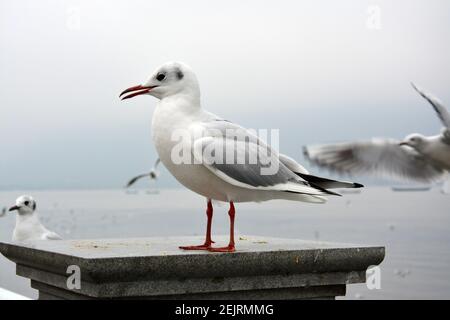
413 226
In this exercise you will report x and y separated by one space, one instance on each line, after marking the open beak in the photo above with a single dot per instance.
136 91
13 208
403 143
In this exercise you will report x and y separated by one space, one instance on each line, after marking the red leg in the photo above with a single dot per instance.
208 241
230 247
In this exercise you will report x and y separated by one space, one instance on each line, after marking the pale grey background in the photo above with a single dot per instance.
312 68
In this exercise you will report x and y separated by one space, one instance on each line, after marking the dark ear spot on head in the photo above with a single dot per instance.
180 75
34 205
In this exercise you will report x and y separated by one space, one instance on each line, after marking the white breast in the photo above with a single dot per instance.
168 120
169 123
28 228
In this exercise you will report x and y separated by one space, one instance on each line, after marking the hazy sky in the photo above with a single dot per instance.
319 71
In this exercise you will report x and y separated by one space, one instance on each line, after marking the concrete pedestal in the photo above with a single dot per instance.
154 268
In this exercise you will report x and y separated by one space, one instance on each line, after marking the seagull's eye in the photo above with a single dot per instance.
26 203
160 77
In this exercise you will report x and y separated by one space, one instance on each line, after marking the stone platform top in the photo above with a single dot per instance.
156 266
163 246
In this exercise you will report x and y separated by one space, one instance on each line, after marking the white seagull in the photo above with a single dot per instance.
153 175
28 227
416 158
179 114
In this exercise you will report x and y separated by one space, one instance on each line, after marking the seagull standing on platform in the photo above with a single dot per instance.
416 158
28 227
179 114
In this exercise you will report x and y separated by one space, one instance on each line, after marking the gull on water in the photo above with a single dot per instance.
28 226
417 158
179 113
153 175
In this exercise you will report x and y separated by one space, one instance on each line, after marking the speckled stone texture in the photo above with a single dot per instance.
154 268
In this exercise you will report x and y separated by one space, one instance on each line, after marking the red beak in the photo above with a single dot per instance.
137 90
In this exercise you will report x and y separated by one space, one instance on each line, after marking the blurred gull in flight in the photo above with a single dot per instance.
179 112
28 227
153 175
417 158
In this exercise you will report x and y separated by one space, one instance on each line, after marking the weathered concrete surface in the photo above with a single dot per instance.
154 268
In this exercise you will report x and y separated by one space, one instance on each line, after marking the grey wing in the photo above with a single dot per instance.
224 125
248 163
383 157
134 179
251 172
251 154
438 106
245 145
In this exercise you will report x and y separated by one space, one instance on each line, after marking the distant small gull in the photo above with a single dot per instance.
417 158
28 227
3 212
179 110
153 175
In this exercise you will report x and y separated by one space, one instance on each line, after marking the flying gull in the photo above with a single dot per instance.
153 175
417 158
28 227
203 136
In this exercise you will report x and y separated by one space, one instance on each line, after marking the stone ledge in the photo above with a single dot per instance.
154 268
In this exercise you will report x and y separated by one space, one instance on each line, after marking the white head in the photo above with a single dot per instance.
415 140
24 205
169 79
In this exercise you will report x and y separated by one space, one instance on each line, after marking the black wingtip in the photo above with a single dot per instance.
358 185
